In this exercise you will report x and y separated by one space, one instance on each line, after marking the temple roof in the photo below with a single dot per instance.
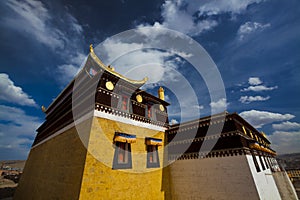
220 116
229 130
93 58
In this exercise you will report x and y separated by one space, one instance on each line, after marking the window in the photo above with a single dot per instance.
123 152
262 163
267 165
149 111
152 156
124 105
255 162
122 157
269 162
152 152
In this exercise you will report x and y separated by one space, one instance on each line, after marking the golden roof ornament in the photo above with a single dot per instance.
162 108
139 98
91 48
111 67
161 93
109 85
43 108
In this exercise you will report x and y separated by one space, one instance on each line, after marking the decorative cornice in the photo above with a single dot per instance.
199 139
127 118
211 154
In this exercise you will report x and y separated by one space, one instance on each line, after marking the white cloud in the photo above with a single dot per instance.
254 81
59 31
138 62
213 7
251 27
249 99
259 88
12 93
200 107
285 142
183 20
285 126
74 24
260 118
184 16
33 18
181 53
114 48
219 106
173 121
129 63
17 130
67 72
24 123
255 86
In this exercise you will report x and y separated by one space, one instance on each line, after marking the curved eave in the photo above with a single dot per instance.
104 67
95 58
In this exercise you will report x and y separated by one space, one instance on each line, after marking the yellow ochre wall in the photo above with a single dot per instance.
54 169
100 181
62 168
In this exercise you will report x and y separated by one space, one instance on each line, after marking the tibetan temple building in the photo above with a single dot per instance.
105 138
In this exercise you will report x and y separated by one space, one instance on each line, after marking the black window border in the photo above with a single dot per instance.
152 165
262 163
267 164
255 162
116 164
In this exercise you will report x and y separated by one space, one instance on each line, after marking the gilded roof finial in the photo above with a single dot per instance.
111 67
161 93
91 48
43 108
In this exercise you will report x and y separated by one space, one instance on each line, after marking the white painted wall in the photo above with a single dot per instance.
264 181
219 178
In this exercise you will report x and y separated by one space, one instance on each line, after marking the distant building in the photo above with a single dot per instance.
294 173
105 138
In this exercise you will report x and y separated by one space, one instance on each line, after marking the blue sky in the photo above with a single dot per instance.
254 43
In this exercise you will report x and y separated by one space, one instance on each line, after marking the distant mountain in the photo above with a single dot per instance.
12 164
289 161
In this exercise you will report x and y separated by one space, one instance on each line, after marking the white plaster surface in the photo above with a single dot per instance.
264 181
128 121
213 178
